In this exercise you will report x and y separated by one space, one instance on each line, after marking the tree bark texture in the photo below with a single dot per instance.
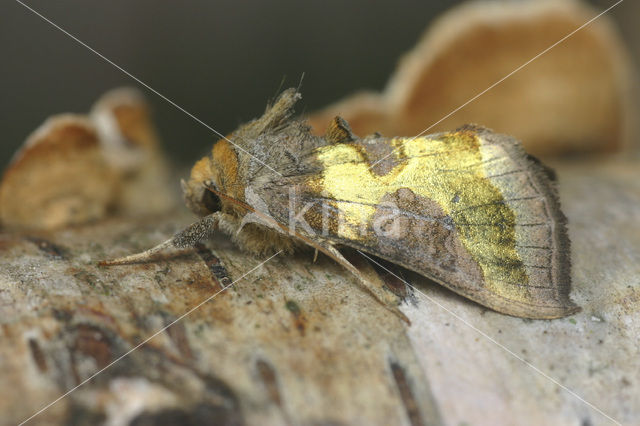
296 342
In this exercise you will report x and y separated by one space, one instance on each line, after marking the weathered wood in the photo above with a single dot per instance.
296 342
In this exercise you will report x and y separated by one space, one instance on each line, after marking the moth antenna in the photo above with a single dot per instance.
138 257
300 82
186 238
279 89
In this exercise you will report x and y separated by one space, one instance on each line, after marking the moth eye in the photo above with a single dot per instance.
211 201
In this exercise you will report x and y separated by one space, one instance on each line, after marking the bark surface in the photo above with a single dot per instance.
296 342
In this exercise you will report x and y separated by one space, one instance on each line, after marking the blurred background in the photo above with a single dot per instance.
219 60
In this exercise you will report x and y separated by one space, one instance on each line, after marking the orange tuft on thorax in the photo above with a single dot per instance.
225 165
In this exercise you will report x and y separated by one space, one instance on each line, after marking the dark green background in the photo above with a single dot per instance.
220 60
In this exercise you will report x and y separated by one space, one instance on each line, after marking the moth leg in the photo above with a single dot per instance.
186 238
366 284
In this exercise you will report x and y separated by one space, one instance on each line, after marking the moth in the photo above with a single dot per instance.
468 209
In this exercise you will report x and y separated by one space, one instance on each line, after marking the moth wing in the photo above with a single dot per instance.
468 209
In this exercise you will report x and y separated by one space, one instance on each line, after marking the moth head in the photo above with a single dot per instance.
217 172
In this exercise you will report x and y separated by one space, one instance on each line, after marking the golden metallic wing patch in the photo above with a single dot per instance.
468 209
